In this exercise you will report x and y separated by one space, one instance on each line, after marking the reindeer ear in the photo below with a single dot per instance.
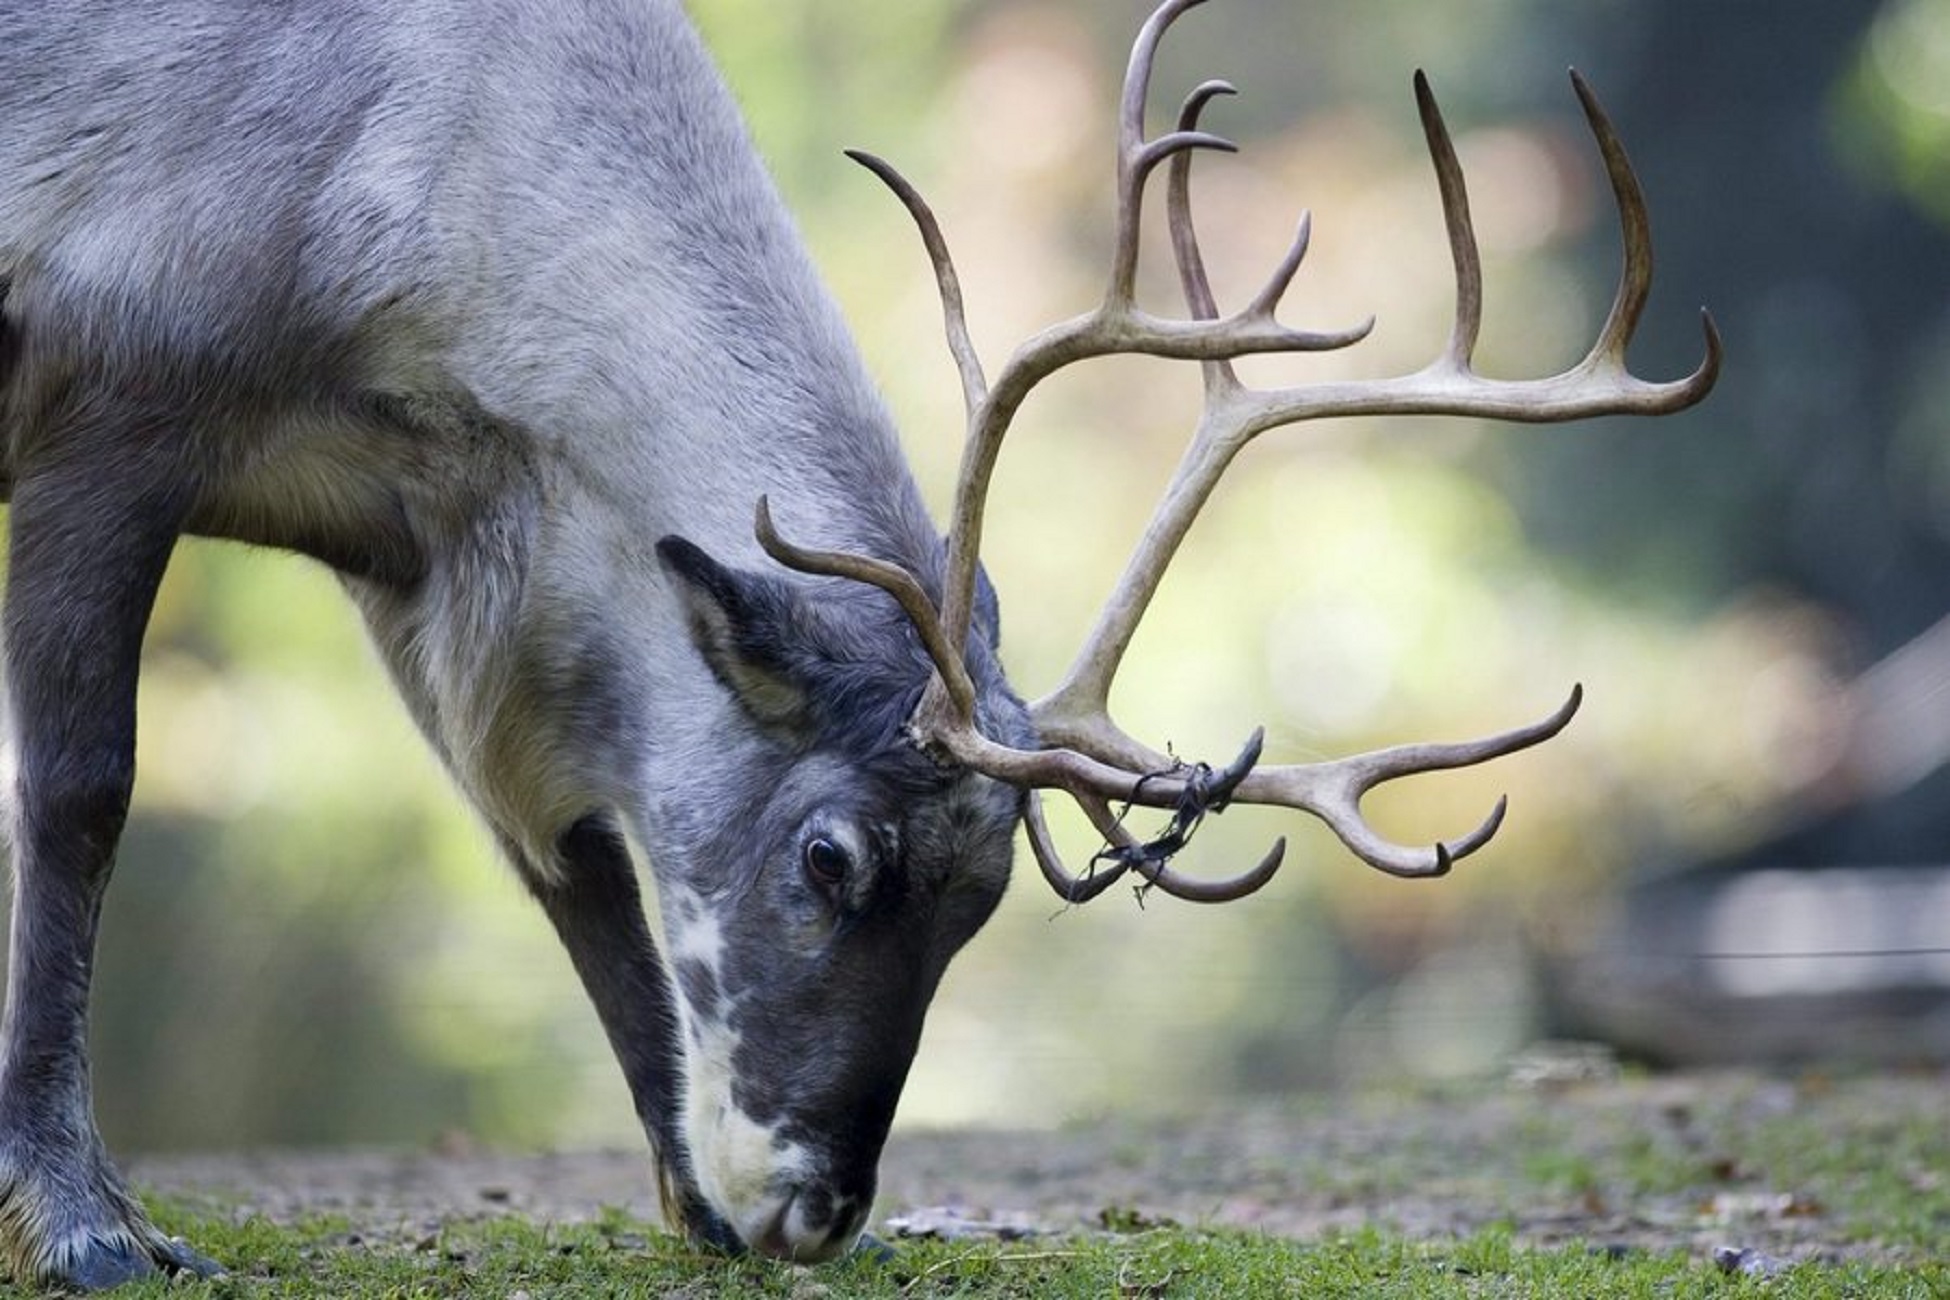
747 627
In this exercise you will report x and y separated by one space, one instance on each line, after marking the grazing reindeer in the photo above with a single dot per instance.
491 309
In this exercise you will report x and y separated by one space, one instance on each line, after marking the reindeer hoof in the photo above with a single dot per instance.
176 1258
99 1263
75 1225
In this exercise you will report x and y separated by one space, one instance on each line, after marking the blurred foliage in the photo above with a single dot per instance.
1895 102
310 940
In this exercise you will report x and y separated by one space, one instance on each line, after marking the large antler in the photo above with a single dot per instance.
1085 753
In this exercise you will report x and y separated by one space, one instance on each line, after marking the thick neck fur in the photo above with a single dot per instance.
675 358
653 330
661 292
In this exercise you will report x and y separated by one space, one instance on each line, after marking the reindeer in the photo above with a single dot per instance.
492 309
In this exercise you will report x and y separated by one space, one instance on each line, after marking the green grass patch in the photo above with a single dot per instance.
1626 1188
510 1257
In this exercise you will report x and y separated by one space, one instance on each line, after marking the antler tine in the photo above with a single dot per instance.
1078 889
1456 220
974 385
1332 791
1071 888
1184 240
1191 890
1277 284
1137 74
890 578
1116 326
1192 277
1635 280
1406 863
1407 760
1634 224
1195 796
1136 156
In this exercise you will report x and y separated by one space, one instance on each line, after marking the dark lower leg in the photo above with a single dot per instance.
84 568
597 910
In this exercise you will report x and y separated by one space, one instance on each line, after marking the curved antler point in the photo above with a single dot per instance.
1228 778
1593 110
1217 891
764 529
1425 101
874 163
1569 709
1072 889
1454 851
1715 348
1178 142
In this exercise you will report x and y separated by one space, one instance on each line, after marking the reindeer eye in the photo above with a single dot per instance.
826 863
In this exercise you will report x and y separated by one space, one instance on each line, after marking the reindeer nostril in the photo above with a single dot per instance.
771 1239
792 1231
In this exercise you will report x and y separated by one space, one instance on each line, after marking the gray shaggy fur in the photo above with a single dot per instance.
491 308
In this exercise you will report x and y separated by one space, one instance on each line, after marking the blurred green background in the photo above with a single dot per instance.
311 941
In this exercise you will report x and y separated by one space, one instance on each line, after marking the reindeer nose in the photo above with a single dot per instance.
797 1230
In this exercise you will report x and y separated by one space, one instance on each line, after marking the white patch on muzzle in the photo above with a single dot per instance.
748 1171
699 939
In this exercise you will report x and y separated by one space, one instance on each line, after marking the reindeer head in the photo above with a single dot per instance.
853 868
876 834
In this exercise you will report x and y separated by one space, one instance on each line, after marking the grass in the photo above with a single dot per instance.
512 1258
1617 1190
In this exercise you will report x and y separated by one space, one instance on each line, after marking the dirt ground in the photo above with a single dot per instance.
1796 1169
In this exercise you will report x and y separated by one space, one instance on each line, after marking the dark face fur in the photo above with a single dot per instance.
811 919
